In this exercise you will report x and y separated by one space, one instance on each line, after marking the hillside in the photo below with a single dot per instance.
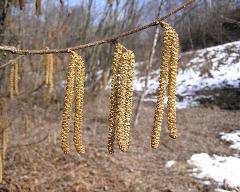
200 72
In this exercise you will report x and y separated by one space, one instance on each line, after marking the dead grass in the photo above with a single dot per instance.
42 166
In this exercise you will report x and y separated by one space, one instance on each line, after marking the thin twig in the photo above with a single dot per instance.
11 62
114 38
28 144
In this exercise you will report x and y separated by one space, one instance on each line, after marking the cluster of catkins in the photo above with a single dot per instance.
168 74
75 67
122 95
121 98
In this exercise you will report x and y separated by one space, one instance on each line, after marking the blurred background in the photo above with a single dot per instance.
204 157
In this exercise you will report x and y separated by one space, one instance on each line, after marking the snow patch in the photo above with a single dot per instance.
233 138
170 163
218 168
210 68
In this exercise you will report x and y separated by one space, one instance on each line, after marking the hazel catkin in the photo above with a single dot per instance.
172 85
1 169
67 107
50 73
16 79
121 98
78 119
11 82
21 4
122 134
113 98
158 116
125 107
47 70
26 124
4 125
38 7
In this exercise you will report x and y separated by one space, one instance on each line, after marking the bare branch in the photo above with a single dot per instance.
11 62
114 38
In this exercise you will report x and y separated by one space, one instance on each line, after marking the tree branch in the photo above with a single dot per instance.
11 62
114 38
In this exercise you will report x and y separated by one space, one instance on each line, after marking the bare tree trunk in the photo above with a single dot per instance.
4 6
148 69
190 34
88 20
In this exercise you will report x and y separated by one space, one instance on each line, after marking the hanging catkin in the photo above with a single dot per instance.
68 106
172 85
16 79
121 98
127 71
38 7
121 108
129 91
26 124
11 82
1 169
114 98
47 70
21 4
50 72
80 76
158 116
4 125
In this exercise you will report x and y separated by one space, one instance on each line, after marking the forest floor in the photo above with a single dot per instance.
35 161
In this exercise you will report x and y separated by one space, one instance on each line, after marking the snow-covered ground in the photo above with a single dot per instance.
219 168
209 68
233 138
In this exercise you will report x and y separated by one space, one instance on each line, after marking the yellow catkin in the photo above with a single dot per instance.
172 86
16 79
4 123
47 70
1 170
158 116
11 82
21 4
50 72
26 124
121 98
54 138
78 119
129 60
121 102
67 107
38 7
113 98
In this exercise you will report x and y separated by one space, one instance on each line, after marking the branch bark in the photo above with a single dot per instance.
114 38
